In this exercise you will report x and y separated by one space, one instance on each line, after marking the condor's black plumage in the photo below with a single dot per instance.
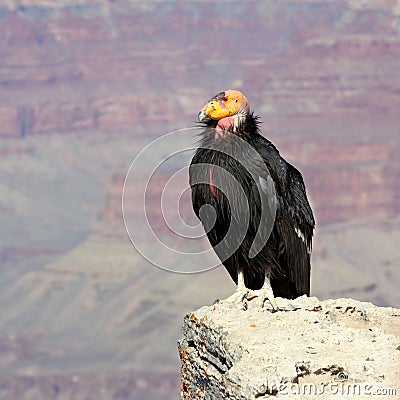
260 222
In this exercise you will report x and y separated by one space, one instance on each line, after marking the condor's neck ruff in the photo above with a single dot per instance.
244 125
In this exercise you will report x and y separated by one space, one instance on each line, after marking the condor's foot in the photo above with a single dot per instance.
265 296
240 296
266 292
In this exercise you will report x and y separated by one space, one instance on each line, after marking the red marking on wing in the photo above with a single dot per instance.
211 185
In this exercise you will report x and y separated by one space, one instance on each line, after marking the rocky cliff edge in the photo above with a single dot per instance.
320 349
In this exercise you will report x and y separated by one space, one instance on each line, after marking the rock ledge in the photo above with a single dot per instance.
322 349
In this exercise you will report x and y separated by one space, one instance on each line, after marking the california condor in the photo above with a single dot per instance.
252 203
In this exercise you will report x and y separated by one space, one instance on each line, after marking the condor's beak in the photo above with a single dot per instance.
214 109
202 117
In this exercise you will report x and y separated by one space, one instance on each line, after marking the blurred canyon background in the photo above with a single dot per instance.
86 84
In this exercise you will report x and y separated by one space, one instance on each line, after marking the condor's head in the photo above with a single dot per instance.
226 111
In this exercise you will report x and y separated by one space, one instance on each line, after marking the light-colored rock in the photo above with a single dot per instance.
322 349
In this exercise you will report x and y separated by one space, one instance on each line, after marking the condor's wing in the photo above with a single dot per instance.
294 223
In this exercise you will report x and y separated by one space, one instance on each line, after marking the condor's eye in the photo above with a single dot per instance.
236 100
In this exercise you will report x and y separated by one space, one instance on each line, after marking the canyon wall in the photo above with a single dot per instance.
110 65
326 87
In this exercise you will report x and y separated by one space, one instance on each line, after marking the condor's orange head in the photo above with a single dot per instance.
225 104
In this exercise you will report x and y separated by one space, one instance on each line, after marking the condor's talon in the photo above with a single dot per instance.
240 296
249 295
291 307
274 306
272 302
275 310
281 309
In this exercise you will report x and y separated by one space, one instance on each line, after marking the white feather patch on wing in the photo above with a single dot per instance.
300 234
